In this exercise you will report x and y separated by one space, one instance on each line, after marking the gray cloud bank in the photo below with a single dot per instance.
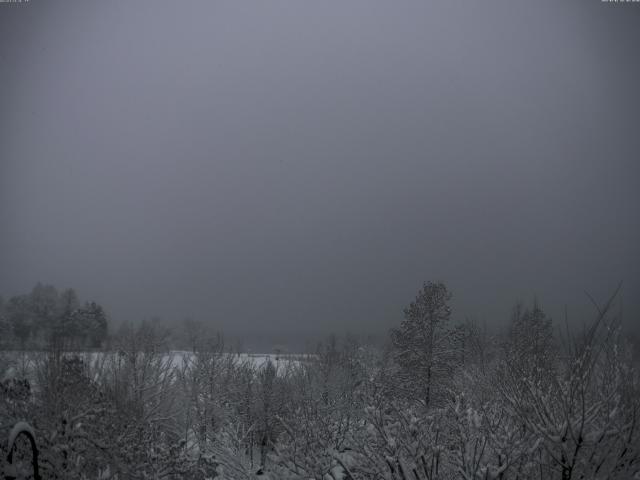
304 166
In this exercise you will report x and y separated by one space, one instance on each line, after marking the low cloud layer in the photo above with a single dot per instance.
303 167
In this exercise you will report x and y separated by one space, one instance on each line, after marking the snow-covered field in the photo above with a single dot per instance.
22 364
258 360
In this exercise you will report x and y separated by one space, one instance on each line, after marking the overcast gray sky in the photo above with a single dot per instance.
306 165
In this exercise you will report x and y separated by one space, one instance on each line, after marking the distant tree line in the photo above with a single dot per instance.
46 317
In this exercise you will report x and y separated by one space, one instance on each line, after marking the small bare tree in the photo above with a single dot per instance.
585 416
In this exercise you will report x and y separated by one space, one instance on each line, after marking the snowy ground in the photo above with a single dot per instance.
22 364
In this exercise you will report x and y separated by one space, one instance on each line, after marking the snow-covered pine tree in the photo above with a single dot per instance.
424 346
530 345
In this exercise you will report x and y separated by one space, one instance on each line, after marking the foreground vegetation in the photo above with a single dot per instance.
439 402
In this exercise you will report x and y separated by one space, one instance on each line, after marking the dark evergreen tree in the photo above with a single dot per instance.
424 345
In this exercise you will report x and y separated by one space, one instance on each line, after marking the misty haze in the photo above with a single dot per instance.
319 240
